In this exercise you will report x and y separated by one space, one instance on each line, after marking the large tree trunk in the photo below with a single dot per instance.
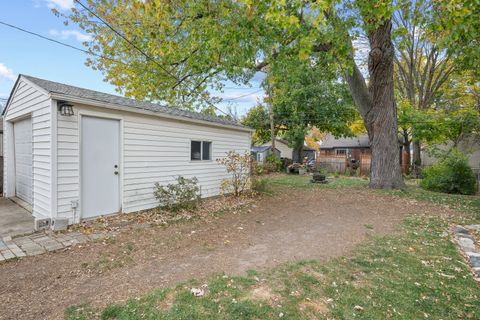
381 121
377 107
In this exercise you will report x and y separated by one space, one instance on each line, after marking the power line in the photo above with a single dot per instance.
124 38
143 53
59 42
81 50
100 56
240 88
243 96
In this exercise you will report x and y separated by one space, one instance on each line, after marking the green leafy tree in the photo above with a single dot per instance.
204 42
308 94
257 118
453 116
455 25
422 66
301 102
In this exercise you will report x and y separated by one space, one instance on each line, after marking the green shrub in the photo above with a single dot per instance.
260 185
450 175
257 169
272 163
184 194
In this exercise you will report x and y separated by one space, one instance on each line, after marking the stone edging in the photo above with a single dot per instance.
466 243
42 242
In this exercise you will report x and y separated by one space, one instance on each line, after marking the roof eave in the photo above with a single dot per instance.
95 103
10 96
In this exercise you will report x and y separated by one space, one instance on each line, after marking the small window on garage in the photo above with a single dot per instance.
341 152
206 150
201 150
196 150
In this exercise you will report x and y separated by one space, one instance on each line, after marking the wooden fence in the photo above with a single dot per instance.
338 164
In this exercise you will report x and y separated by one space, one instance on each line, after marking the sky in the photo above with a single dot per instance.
22 53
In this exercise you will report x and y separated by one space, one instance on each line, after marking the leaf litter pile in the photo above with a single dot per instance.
159 216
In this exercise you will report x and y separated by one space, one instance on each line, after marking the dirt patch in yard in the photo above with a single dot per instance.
298 225
318 307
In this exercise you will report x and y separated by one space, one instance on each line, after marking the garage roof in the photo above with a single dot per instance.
55 88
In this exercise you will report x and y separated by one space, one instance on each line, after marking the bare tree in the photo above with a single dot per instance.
421 67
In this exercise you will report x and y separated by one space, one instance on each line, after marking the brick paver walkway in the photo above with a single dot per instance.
41 242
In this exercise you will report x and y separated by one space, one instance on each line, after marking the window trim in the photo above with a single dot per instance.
201 150
209 150
345 150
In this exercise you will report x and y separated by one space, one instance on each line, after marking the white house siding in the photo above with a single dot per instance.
154 150
159 151
28 101
68 165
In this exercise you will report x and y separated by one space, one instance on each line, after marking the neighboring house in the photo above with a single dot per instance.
470 146
334 152
75 154
261 153
309 153
287 152
282 146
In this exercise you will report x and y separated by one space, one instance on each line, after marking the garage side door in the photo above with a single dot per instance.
100 159
22 132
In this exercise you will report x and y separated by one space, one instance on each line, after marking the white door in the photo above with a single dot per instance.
100 166
22 133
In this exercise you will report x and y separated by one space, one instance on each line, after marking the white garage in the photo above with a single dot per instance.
75 154
22 135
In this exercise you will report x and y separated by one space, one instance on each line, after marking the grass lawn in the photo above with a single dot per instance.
414 274
295 181
467 204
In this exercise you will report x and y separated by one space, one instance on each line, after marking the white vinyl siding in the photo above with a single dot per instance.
158 150
28 101
68 165
153 149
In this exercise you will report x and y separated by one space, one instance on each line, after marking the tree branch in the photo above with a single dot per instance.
358 88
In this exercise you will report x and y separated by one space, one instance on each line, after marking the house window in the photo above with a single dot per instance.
206 153
341 152
201 150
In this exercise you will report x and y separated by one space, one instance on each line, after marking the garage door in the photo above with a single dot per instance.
22 132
